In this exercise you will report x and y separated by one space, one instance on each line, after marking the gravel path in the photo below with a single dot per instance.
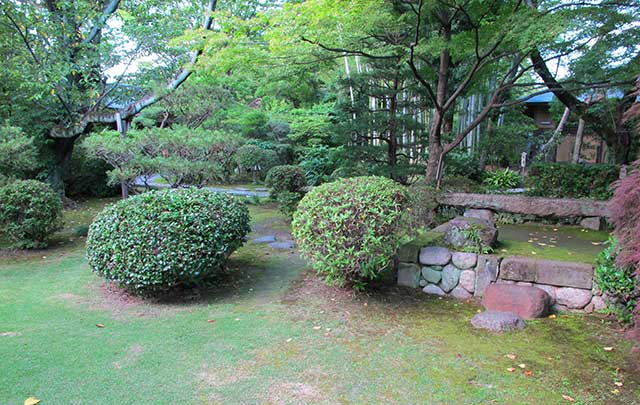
153 181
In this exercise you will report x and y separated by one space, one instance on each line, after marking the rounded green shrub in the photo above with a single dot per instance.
159 240
349 229
30 211
285 178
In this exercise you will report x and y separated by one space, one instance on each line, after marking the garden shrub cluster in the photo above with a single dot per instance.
349 229
502 179
568 180
286 185
30 211
618 283
159 240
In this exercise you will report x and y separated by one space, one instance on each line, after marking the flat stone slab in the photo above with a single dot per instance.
282 245
496 321
434 256
265 239
482 214
539 206
525 301
561 274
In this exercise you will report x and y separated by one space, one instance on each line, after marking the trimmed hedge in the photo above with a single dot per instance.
159 240
30 211
568 180
349 229
285 178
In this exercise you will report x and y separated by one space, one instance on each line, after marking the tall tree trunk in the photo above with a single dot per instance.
578 145
62 150
392 145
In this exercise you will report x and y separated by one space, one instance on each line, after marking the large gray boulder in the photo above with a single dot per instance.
460 228
464 260
435 256
450 278
486 272
496 321
432 274
573 298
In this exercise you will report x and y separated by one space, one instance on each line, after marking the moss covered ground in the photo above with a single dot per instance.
273 332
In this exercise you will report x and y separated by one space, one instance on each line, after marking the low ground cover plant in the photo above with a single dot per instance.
618 283
159 240
348 229
30 211
502 179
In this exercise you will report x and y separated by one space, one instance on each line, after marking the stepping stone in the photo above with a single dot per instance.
283 245
496 321
265 239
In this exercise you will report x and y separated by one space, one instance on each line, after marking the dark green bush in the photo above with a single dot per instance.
30 211
286 184
349 229
88 176
158 240
618 284
285 178
422 206
568 180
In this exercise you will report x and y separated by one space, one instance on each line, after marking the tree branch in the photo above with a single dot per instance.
106 13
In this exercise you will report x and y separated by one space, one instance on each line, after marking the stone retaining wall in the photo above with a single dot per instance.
439 271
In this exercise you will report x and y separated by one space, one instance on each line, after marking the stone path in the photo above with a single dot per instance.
153 181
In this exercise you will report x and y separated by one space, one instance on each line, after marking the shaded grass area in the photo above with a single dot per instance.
273 332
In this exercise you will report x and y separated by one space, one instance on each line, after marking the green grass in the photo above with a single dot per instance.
280 335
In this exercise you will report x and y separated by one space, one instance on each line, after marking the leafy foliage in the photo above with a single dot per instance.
625 215
286 185
502 179
422 206
159 240
349 228
18 153
88 176
618 283
30 211
567 180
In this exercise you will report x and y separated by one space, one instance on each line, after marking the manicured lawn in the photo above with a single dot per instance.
274 333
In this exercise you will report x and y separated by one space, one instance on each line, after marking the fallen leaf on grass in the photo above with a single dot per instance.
522 365
528 373
31 401
608 349
568 398
618 384
99 325
615 392
289 340
552 316
511 369
317 327
210 320
510 356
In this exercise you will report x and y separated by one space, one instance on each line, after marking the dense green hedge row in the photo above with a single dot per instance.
567 180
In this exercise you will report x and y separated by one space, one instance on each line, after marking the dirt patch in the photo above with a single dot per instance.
310 285
295 392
